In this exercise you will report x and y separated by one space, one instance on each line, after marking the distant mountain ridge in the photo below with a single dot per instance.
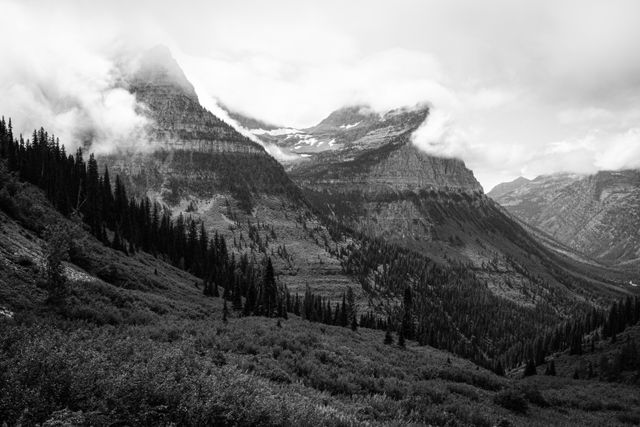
598 215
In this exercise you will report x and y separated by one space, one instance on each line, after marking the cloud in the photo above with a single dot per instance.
302 93
64 82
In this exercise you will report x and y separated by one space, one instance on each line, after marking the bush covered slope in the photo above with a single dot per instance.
134 342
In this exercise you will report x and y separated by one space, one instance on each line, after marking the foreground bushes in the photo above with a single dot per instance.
115 378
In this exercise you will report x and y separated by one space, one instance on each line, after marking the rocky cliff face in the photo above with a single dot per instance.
397 167
598 215
179 121
357 149
194 153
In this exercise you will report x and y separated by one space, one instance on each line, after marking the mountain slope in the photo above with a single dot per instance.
151 350
597 215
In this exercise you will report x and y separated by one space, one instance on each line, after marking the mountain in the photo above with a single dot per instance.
359 207
201 167
179 121
598 215
136 343
349 129
506 187
361 169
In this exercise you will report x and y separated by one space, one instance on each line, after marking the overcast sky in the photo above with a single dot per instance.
516 88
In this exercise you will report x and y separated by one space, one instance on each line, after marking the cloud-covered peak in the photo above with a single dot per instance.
158 67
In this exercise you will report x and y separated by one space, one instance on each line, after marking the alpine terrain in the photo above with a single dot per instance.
353 279
597 215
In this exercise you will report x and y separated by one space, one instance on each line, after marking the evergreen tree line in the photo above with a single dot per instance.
74 185
444 306
571 334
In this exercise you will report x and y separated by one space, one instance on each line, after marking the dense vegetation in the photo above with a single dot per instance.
127 224
453 309
571 334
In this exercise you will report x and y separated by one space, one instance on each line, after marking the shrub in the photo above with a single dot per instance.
533 395
464 390
512 399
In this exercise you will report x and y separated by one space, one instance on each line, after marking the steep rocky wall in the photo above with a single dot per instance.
178 121
394 168
598 215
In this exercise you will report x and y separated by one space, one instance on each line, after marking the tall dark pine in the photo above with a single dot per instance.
269 294
530 368
352 311
92 205
407 317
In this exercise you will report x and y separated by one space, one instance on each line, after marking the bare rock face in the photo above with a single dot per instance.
194 152
399 168
179 121
356 149
598 215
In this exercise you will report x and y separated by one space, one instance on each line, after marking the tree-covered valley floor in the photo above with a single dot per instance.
136 343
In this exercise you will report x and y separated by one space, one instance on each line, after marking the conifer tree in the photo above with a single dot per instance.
388 338
351 309
530 368
401 342
225 312
269 289
551 368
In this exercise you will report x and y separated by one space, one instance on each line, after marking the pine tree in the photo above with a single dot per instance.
551 368
407 317
225 312
270 289
388 338
351 309
530 368
401 342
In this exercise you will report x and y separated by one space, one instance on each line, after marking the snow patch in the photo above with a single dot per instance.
349 126
275 132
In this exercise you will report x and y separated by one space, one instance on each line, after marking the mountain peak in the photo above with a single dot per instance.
348 116
158 67
507 187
